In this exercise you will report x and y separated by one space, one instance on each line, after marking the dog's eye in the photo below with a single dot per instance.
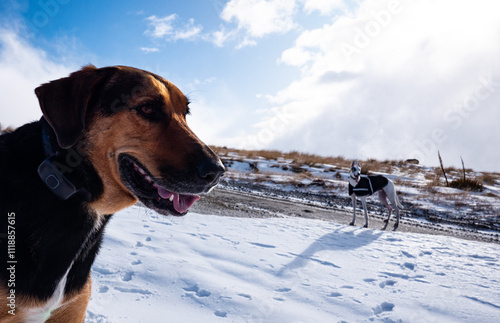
151 111
147 110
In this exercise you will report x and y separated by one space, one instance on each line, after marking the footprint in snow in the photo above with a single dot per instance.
387 283
245 296
407 254
95 318
283 290
334 294
128 276
347 287
103 271
133 290
384 307
220 313
262 245
197 291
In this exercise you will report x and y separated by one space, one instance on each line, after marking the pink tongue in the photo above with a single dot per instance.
181 202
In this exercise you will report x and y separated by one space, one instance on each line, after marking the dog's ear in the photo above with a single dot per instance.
353 163
64 103
359 164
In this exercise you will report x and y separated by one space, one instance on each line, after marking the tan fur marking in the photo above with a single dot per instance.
126 132
74 308
21 304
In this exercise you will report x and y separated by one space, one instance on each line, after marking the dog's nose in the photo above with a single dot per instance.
210 170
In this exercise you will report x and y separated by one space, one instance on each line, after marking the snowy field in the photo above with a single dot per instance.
205 268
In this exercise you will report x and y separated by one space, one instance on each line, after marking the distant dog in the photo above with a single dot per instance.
362 186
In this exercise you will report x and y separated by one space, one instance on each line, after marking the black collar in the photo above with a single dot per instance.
47 139
52 169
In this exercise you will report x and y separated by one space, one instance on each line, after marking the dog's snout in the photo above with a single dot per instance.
210 170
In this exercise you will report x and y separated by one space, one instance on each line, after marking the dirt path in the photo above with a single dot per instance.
227 202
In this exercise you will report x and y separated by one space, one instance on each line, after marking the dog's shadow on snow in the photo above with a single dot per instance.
340 239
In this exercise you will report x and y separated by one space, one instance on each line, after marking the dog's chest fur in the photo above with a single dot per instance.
48 232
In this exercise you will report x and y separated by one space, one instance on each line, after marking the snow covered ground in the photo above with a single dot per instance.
206 268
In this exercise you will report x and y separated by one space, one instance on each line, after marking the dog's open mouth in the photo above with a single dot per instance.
155 196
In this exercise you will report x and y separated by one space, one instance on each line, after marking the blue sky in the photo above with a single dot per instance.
392 79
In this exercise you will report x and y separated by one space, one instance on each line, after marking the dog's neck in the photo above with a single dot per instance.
52 171
352 179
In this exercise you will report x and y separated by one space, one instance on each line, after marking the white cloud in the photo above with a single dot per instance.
246 43
395 79
169 29
161 27
245 21
148 50
24 68
259 18
296 56
323 6
256 19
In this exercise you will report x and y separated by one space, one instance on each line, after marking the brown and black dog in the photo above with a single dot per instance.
108 138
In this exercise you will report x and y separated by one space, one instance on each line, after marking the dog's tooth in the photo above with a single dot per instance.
139 169
171 198
149 179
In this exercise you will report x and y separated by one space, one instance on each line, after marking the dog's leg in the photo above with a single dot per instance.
396 225
391 194
382 195
353 198
363 200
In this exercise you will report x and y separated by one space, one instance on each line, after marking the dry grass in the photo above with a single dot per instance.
467 185
433 179
299 158
490 178
295 156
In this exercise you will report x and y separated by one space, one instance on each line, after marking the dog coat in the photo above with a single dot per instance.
368 185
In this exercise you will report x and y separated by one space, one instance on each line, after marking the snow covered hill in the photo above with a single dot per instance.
324 179
206 268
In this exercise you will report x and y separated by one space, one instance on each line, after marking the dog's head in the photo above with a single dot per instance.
131 125
355 172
